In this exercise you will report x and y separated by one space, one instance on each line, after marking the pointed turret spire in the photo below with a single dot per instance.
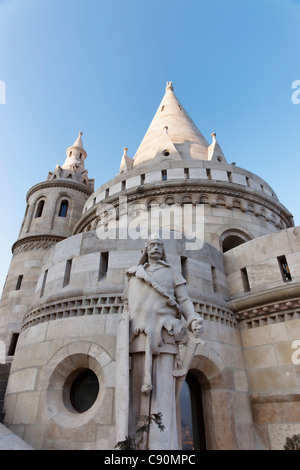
166 150
126 162
186 139
73 168
75 155
78 141
214 151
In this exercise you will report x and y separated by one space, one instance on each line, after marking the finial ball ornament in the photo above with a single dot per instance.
169 86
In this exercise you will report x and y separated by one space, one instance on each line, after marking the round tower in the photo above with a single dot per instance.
53 208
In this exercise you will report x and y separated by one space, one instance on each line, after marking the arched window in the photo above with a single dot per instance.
232 238
63 208
39 209
231 242
191 409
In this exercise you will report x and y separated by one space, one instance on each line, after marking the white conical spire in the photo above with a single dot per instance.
126 162
186 139
78 141
75 155
214 151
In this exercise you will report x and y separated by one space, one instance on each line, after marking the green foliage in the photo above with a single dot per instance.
292 443
135 441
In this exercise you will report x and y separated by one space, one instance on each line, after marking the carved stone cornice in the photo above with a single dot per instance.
283 314
272 306
210 189
252 300
35 242
59 184
108 304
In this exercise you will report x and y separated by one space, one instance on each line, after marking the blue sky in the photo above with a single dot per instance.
100 67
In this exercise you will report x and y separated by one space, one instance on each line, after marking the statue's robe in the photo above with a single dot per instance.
158 305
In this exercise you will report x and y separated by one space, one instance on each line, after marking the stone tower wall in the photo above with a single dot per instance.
53 193
37 236
269 314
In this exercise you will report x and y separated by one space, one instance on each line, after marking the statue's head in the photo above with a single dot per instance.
155 247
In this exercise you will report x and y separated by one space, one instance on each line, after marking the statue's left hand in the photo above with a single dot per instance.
197 327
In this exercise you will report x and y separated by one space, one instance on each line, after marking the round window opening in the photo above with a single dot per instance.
84 391
166 153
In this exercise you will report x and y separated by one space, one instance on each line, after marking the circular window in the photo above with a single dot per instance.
84 391
166 153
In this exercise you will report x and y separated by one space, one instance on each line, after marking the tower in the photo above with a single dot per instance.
53 208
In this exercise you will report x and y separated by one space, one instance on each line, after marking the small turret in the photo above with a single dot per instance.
73 168
126 162
214 151
53 208
75 155
55 205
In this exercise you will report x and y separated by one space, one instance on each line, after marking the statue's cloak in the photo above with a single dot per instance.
153 310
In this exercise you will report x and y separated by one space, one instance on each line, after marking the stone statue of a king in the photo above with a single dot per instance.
160 316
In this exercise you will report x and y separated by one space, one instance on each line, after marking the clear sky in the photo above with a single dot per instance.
100 67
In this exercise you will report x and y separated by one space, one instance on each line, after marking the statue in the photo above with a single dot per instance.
160 316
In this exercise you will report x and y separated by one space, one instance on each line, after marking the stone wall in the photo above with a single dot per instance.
37 235
47 354
39 411
269 313
274 380
260 258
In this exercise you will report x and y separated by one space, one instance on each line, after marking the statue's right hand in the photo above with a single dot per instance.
197 327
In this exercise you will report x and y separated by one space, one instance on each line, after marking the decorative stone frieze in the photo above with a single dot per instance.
34 243
266 314
109 305
231 199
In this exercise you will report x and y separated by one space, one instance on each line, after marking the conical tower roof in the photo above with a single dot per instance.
73 168
171 135
78 141
75 155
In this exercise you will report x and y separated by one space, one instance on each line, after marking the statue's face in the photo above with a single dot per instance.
155 249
